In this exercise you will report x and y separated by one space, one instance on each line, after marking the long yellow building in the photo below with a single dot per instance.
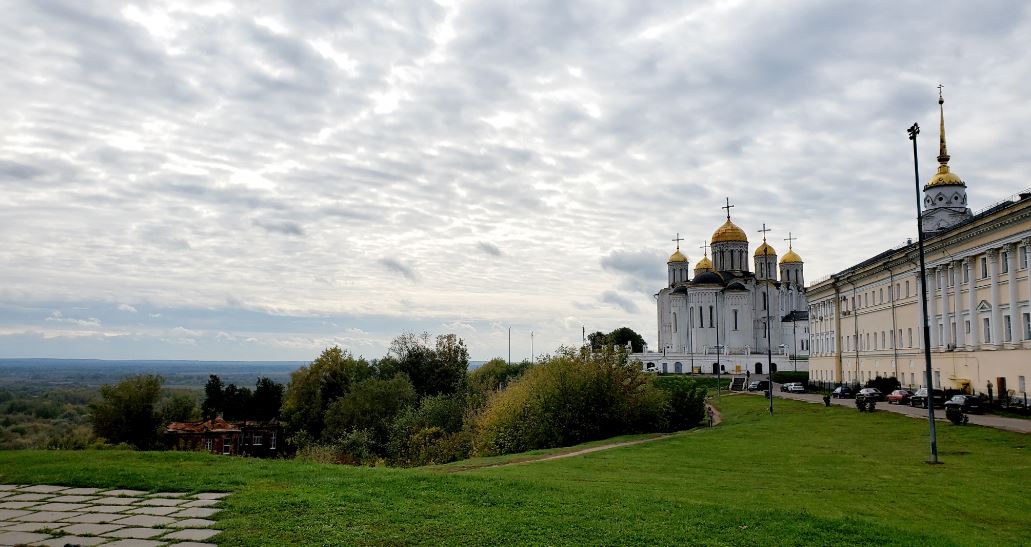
865 321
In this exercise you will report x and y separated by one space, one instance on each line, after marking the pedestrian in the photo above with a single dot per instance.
712 415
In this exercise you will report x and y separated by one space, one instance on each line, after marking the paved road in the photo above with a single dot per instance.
1010 424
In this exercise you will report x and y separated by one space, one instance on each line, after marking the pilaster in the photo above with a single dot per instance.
932 305
993 273
1015 326
975 333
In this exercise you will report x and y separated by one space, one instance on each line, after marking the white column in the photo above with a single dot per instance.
946 331
1027 245
1011 264
993 272
975 335
959 267
932 306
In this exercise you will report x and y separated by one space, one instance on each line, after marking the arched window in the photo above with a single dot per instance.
710 317
674 321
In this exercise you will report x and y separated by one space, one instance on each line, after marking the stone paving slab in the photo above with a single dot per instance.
90 529
9 514
59 507
145 520
43 488
27 497
161 502
95 518
81 491
63 541
201 503
135 543
21 538
124 493
192 534
63 498
4 494
34 526
106 508
211 495
156 511
192 523
115 501
18 504
5 487
199 512
135 533
46 516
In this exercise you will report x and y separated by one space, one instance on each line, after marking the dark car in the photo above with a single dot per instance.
920 398
870 394
900 396
759 385
842 392
965 403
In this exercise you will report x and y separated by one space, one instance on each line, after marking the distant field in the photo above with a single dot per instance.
809 475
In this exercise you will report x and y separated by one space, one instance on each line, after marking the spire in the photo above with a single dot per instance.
943 151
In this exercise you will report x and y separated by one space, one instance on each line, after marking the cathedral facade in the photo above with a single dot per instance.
714 316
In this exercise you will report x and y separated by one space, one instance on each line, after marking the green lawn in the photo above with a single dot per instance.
810 475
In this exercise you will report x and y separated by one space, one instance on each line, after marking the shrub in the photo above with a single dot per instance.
371 406
686 401
573 397
126 411
315 387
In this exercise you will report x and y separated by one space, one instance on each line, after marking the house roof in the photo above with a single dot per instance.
217 425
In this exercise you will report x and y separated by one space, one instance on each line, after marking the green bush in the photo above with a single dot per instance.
370 406
783 377
686 401
430 433
574 397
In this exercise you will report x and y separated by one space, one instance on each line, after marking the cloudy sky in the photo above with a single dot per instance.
259 180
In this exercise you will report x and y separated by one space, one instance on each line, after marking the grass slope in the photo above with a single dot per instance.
810 475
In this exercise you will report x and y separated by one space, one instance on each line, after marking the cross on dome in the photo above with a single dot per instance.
678 239
728 206
790 239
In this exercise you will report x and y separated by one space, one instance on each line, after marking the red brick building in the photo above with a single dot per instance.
217 436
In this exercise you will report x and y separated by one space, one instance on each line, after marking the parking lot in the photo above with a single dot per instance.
1010 424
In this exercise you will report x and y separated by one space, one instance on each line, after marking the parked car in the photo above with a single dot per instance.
920 398
870 394
966 403
900 396
759 385
793 387
842 392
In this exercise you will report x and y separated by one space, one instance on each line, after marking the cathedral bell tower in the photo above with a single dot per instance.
677 266
729 246
945 195
765 262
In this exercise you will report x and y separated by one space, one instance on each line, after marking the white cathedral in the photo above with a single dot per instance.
716 318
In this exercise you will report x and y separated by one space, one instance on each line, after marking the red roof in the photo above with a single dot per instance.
218 425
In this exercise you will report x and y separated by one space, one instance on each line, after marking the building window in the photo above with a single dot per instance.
227 445
987 331
1005 262
984 267
1007 323
710 317
966 273
272 440
735 319
208 444
1023 257
257 440
701 318
883 340
907 289
1027 326
1021 385
674 321
941 334
937 379
910 337
967 326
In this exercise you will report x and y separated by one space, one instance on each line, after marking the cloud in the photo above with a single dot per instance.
58 317
611 297
126 308
488 248
173 153
396 266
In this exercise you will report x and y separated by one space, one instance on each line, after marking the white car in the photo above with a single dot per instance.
793 387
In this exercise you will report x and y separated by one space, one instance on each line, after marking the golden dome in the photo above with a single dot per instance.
703 265
943 177
729 232
767 248
791 257
677 256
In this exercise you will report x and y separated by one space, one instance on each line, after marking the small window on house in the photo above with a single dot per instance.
966 326
1027 326
984 267
987 330
227 446
881 297
966 273
257 440
907 289
208 445
272 440
910 331
1023 257
735 319
1005 262
1007 322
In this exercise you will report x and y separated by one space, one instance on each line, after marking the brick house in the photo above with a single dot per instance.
218 436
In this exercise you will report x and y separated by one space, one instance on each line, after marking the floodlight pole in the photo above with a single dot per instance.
769 328
913 132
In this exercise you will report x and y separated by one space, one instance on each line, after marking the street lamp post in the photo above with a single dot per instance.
913 132
769 330
719 348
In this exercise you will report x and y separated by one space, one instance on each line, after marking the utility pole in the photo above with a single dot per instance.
509 346
719 367
531 348
913 132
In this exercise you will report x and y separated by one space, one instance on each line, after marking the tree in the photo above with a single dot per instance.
267 400
597 340
126 411
214 399
622 335
432 370
314 387
180 407
371 405
237 403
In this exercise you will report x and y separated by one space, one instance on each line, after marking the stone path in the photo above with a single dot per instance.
48 515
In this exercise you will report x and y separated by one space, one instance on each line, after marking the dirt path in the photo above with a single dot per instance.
716 419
